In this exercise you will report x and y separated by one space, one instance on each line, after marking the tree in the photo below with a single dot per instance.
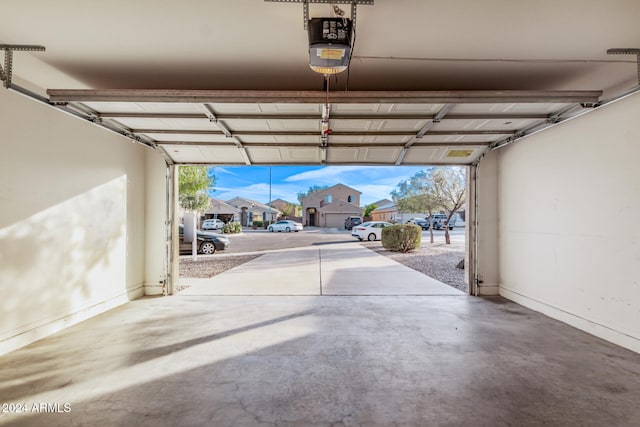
368 209
193 184
417 194
287 209
313 189
449 184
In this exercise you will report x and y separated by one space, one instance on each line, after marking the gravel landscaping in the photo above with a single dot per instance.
204 268
436 260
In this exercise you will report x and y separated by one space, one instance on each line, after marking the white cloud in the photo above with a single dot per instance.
222 170
374 192
326 175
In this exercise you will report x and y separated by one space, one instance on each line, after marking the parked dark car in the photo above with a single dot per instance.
208 243
422 223
352 221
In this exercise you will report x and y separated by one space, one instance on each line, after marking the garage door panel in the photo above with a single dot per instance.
214 138
276 155
442 155
334 220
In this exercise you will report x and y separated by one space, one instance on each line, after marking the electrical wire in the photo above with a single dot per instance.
525 61
352 43
327 78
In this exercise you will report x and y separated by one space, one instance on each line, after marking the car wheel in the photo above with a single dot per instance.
360 238
208 248
371 237
288 230
271 229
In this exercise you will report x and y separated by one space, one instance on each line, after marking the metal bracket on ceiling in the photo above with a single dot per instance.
305 6
444 110
627 51
213 118
211 114
6 73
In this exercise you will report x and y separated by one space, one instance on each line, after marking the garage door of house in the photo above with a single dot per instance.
334 220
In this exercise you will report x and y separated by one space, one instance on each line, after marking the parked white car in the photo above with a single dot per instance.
371 230
285 225
212 224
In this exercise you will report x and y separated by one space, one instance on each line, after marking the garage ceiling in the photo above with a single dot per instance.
227 82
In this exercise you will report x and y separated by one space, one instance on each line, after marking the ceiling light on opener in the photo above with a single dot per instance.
329 44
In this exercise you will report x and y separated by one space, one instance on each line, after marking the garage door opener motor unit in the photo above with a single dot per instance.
329 44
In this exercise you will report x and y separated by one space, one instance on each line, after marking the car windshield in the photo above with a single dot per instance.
366 224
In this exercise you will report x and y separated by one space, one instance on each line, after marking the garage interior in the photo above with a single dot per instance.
539 101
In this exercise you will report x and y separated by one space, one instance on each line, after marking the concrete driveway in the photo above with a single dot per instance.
329 269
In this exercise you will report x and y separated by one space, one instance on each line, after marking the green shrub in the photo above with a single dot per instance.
232 228
257 224
401 237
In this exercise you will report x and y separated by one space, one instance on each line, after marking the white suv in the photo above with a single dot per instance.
212 224
439 220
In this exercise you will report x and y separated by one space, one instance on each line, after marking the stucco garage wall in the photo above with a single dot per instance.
72 223
569 235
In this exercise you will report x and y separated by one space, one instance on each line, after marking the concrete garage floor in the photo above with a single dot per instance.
321 361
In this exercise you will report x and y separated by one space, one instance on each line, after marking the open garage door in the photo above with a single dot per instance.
235 127
281 127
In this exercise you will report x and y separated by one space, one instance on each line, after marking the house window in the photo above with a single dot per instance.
327 198
350 198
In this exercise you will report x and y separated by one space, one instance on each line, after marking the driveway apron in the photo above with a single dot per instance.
339 269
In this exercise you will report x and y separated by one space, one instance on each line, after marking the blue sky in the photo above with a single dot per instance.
252 182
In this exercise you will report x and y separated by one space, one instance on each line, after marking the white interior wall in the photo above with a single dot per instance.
569 235
485 194
72 222
156 254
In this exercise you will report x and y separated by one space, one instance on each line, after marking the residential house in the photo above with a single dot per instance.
382 202
386 212
222 210
251 211
283 205
378 204
390 213
330 207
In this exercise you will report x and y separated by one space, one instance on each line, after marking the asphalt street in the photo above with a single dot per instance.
262 240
